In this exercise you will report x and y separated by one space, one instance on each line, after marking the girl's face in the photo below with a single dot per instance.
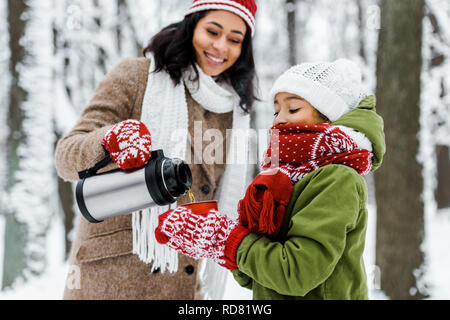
217 41
292 109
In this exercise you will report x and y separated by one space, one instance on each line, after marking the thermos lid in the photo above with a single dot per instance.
166 178
177 177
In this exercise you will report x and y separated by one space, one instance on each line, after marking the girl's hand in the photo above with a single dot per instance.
262 209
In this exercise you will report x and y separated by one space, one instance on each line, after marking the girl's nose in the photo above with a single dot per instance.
279 119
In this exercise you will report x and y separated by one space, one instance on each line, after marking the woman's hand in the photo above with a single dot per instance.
129 144
212 236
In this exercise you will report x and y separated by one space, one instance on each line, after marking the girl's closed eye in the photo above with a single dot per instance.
291 111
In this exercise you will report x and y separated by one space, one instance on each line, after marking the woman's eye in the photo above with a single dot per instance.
275 114
212 32
235 41
294 110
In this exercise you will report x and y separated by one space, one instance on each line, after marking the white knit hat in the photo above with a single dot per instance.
333 88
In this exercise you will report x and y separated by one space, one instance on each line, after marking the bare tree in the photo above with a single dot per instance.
292 30
442 193
361 27
399 183
14 261
4 105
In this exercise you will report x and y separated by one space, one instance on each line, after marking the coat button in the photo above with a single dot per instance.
205 189
189 269
156 271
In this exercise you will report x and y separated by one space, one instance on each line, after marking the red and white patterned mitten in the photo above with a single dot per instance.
129 144
212 235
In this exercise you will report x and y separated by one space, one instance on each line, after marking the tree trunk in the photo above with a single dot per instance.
126 11
398 183
66 199
443 177
15 233
101 58
361 28
65 191
292 32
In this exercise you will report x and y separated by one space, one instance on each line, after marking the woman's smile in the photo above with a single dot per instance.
215 59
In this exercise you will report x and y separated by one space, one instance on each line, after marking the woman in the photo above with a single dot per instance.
197 71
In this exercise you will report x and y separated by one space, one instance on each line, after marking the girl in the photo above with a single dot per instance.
199 69
302 222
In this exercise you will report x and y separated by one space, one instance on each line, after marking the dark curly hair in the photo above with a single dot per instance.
174 52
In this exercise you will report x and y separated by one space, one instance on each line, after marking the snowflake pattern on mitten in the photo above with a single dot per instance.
201 235
129 144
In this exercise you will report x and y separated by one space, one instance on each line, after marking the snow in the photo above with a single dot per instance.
50 284
437 259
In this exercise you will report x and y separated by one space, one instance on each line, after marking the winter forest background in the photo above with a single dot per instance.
54 52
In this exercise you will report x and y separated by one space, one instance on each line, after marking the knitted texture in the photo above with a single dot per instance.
200 235
246 9
297 150
302 148
129 144
333 88
262 209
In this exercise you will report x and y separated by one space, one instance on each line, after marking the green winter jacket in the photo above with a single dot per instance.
319 251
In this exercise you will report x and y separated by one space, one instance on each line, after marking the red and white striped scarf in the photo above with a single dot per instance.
299 149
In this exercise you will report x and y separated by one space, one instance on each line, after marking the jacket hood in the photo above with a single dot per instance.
364 119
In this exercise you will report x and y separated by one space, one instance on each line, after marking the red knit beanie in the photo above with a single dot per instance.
246 9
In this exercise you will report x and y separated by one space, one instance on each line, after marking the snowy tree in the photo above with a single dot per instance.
13 261
4 84
436 103
291 10
31 187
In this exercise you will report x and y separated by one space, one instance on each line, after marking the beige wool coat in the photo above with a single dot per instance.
101 253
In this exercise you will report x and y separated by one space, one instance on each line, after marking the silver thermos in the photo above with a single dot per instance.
118 192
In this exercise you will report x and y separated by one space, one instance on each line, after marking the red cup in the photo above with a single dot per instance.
202 207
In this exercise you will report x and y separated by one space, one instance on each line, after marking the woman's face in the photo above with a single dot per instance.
217 41
292 109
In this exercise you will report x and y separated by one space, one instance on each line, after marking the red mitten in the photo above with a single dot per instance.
212 236
129 144
262 209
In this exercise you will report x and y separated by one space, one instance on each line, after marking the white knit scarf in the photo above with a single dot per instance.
165 113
